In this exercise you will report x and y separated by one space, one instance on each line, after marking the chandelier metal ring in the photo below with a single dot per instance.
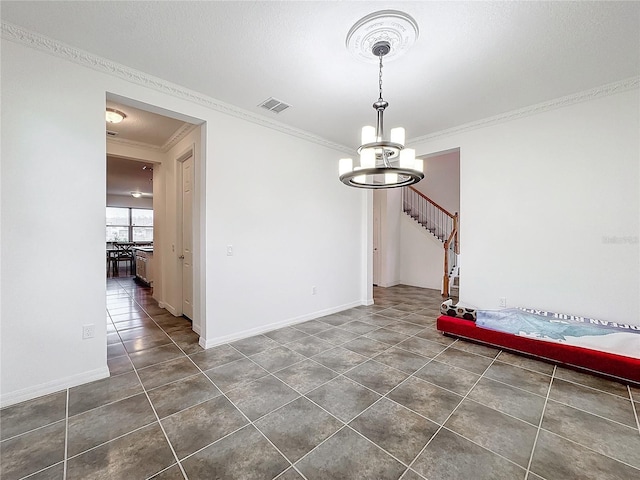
405 177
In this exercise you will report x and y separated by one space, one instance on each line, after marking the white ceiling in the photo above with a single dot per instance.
472 60
141 128
145 128
125 176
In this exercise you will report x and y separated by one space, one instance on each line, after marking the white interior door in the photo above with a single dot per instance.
187 237
376 239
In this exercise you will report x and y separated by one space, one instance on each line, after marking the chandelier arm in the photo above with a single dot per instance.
385 158
380 125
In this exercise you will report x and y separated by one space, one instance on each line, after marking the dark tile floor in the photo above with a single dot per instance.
369 393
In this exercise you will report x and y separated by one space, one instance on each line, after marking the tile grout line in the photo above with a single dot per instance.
155 413
342 374
242 413
450 415
302 395
495 358
573 382
175 455
33 429
66 438
37 472
557 401
344 424
110 440
535 440
556 434
465 396
594 414
404 464
633 407
591 450
402 406
373 358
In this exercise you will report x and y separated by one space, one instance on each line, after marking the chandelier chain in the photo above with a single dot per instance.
380 78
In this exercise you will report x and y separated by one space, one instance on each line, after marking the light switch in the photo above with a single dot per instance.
229 250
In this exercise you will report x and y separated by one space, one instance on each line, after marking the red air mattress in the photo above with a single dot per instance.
622 368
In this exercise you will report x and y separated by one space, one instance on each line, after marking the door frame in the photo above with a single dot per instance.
198 232
198 150
189 152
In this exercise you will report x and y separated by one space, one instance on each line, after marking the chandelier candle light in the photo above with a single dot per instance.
383 163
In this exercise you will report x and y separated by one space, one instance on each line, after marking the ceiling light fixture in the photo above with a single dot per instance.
384 163
114 116
136 194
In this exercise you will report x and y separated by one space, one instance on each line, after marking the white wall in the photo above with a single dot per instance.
277 200
129 201
550 209
421 255
441 182
275 197
53 235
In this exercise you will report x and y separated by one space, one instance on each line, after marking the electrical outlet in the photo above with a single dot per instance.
502 302
314 290
229 250
88 331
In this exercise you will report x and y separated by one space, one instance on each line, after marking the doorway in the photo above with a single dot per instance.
162 138
408 240
129 216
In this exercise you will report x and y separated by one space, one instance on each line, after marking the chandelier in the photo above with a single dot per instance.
384 162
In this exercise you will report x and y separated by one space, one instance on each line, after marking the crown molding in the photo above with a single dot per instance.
133 143
45 44
598 92
178 135
182 131
50 46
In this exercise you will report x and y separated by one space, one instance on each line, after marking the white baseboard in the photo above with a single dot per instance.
212 342
171 309
30 393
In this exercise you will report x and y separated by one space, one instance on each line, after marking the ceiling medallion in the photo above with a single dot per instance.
397 28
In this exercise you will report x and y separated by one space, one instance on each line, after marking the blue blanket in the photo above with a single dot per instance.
613 337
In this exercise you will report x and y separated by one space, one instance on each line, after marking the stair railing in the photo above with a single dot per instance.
451 251
440 222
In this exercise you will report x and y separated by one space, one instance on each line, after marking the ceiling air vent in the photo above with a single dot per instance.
274 105
111 133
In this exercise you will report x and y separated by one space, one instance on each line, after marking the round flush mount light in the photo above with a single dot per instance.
396 28
114 116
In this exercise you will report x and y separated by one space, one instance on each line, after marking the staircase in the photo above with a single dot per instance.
441 224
